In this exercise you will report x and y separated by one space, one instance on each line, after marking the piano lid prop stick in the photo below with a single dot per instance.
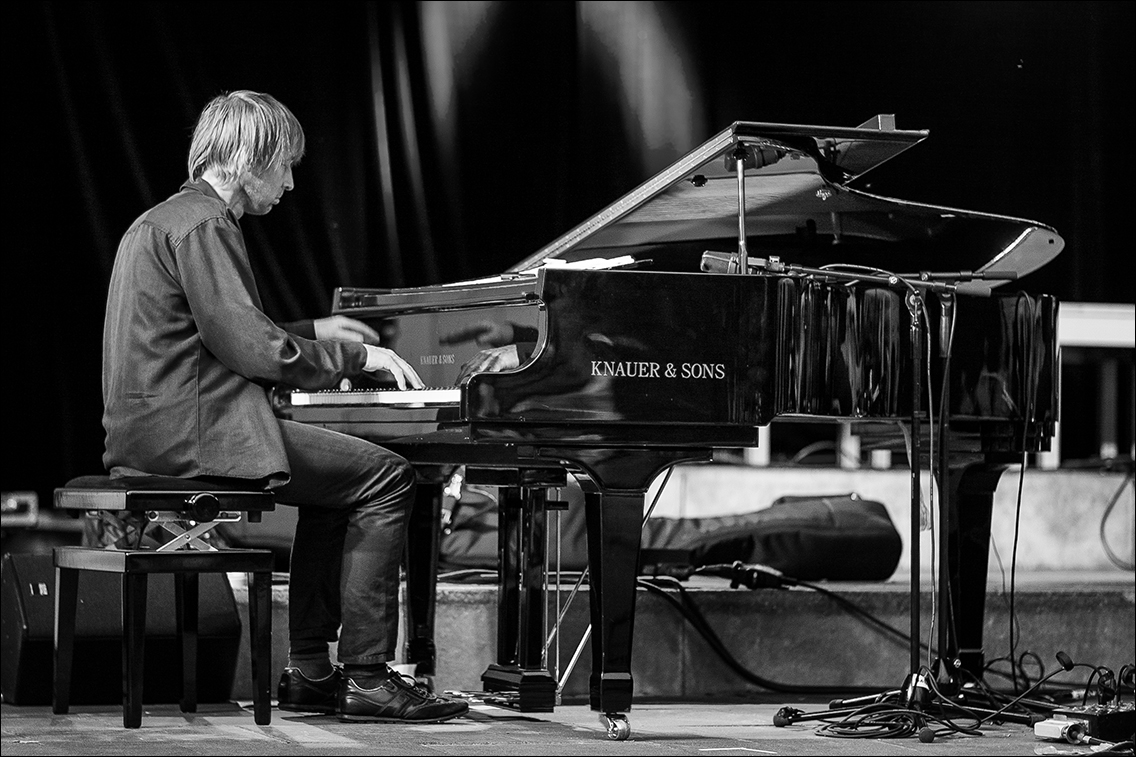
743 254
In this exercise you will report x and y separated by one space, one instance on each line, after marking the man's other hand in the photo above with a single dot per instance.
344 329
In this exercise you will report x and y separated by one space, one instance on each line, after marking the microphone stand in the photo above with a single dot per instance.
915 690
918 685
914 301
946 617
914 305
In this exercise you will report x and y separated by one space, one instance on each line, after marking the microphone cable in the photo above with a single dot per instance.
693 615
920 718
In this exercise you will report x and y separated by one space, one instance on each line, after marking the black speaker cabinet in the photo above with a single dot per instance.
27 624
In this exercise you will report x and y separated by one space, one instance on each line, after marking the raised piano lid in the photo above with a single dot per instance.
800 205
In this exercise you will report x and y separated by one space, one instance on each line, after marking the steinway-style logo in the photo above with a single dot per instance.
651 369
436 359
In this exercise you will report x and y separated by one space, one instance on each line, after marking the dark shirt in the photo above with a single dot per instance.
189 354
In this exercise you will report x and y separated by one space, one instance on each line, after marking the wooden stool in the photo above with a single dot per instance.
188 509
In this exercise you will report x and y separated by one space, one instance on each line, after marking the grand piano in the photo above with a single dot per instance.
751 281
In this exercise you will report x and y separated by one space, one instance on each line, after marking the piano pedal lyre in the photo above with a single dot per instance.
523 583
556 506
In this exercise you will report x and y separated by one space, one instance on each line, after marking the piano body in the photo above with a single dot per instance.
711 300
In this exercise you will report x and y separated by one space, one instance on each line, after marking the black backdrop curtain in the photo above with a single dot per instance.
448 140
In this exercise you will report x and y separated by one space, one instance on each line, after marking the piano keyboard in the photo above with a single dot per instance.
391 397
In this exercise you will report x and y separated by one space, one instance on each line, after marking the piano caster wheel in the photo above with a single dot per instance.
618 727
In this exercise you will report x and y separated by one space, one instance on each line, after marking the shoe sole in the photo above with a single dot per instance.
306 708
375 719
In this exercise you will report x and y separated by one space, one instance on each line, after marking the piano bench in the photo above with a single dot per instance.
167 502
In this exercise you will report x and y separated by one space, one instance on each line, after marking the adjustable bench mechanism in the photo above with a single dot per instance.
190 538
188 516
203 513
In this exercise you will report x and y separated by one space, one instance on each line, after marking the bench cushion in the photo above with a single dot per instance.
143 493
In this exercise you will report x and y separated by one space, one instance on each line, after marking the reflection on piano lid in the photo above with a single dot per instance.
801 203
368 397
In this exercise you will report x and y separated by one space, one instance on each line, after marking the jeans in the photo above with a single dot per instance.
354 501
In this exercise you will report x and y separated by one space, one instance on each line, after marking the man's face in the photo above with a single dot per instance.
263 190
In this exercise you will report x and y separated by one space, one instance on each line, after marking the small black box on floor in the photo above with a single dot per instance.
27 623
1108 722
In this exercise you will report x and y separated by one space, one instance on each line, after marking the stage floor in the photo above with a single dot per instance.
656 729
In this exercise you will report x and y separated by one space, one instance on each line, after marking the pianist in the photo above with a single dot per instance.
188 358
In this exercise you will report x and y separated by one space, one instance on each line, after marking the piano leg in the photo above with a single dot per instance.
615 523
521 600
614 483
971 502
422 552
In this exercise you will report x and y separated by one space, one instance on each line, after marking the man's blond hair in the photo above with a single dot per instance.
244 131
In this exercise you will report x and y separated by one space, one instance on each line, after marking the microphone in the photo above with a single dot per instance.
954 276
1067 664
727 262
974 289
965 282
946 321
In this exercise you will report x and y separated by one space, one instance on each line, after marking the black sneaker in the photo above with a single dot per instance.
398 699
299 693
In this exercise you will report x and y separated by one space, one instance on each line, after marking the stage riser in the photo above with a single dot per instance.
793 637
803 638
